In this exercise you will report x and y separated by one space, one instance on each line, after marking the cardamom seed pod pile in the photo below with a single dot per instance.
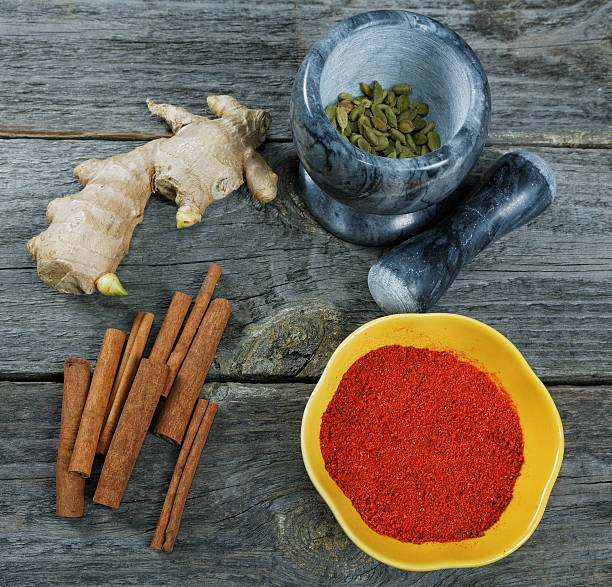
384 122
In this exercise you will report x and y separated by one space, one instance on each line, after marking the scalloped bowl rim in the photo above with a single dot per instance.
412 565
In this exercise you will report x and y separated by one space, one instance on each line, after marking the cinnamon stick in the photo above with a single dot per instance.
125 376
95 406
69 489
131 431
171 326
184 471
126 351
193 322
174 416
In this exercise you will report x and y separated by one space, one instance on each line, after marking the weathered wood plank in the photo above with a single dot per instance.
297 290
253 517
87 67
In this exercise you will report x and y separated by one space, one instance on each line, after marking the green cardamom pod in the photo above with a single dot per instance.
391 118
391 99
330 111
410 142
359 100
388 149
433 141
424 150
355 137
379 123
364 145
370 136
348 106
429 127
403 103
364 121
377 110
342 117
419 138
419 123
378 93
356 112
383 143
345 96
380 133
366 90
421 108
409 114
398 146
398 136
401 89
405 126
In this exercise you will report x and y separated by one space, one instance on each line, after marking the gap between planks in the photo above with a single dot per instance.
575 139
58 377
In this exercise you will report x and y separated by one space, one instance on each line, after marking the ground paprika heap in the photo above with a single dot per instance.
426 446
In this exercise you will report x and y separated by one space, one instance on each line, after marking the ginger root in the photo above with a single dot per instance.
205 160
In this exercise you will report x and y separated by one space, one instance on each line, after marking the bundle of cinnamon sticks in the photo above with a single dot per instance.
110 414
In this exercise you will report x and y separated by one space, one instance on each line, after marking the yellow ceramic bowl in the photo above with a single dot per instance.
490 351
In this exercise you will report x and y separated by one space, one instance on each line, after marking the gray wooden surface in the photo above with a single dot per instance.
81 70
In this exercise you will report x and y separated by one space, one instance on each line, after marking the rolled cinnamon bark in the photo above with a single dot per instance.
193 322
125 376
175 414
184 471
131 431
126 351
69 488
95 406
171 326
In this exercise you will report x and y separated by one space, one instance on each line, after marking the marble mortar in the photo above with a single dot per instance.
391 46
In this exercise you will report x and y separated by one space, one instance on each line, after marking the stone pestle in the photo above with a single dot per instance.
412 276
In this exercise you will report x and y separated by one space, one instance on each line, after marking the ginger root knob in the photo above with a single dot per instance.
205 159
109 285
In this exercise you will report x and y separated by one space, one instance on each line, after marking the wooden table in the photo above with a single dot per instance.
73 79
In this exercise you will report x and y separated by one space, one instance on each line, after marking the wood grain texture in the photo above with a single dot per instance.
547 286
252 515
82 67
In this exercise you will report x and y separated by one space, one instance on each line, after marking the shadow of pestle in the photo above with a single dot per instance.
412 276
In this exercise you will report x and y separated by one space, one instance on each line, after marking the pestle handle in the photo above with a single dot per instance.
412 276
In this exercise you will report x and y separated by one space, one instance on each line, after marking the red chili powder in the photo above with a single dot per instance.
427 447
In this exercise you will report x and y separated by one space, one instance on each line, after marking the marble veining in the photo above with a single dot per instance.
391 46
412 276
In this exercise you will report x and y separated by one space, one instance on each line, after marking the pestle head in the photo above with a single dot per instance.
393 293
412 276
